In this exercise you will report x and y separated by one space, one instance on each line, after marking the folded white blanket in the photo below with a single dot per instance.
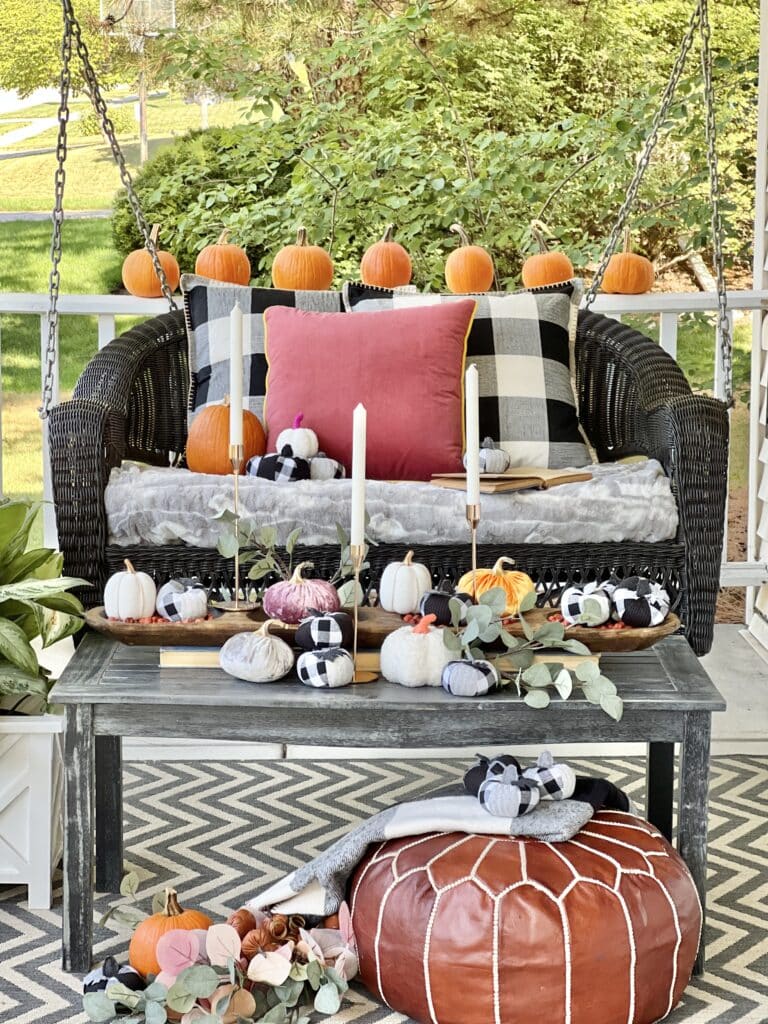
622 502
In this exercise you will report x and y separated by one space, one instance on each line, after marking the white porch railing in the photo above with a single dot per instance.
668 306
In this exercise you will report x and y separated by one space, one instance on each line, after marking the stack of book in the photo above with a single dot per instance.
208 657
521 478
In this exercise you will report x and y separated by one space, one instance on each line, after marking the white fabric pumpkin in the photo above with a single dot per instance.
302 441
182 600
493 459
129 594
322 467
257 657
415 655
402 585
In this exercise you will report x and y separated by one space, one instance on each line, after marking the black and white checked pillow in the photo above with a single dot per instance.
207 307
523 344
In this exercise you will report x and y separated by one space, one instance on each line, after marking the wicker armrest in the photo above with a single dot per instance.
144 376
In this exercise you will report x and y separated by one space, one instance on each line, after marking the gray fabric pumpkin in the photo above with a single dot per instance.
257 657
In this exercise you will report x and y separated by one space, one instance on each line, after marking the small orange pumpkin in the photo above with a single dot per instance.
139 274
545 267
514 584
242 921
208 439
224 261
627 272
386 264
302 267
141 952
469 268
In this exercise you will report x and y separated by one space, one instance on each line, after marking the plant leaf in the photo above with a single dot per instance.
470 634
13 680
201 981
34 590
613 706
606 686
537 676
451 641
126 996
587 671
527 628
490 633
15 647
528 602
268 536
509 641
158 903
574 647
154 1013
155 990
563 683
179 999
456 608
549 631
495 599
177 951
481 614
327 999
98 1006
538 699
129 884
222 944
130 916
227 545
271 968
291 540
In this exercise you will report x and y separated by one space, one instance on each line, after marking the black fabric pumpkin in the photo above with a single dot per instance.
437 603
281 467
321 630
113 973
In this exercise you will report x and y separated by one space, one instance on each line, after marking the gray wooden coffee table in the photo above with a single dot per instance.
110 691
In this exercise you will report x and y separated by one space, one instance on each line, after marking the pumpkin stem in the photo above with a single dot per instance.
172 906
129 565
498 569
297 420
224 236
422 626
627 244
154 233
459 230
538 230
298 572
226 400
301 236
408 558
389 233
488 442
265 627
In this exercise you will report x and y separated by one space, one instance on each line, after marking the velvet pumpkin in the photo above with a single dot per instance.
468 269
386 264
292 600
514 584
256 657
141 952
302 267
546 266
224 261
139 274
208 439
627 272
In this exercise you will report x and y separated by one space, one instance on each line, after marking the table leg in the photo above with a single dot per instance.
660 787
109 813
692 816
77 939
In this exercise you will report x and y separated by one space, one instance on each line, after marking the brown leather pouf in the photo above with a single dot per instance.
465 929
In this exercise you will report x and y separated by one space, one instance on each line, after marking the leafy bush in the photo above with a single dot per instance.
122 118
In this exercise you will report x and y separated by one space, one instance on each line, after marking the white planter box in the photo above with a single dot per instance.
30 803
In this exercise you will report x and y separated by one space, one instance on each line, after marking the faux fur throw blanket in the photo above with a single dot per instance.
320 886
622 502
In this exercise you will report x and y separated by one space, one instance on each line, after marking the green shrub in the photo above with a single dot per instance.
90 124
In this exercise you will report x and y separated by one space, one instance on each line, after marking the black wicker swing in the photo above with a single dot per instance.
131 403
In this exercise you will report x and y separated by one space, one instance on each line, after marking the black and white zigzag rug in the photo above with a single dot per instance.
219 832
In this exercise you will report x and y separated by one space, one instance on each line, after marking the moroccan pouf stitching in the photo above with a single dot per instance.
467 929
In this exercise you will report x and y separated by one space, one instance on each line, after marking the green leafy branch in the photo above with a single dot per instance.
517 664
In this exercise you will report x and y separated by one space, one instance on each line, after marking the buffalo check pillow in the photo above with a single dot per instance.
207 307
523 346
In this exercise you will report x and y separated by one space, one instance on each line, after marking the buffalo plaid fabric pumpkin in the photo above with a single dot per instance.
589 605
281 467
468 929
640 602
329 668
325 629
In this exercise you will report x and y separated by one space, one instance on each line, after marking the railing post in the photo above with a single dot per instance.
107 330
50 536
668 333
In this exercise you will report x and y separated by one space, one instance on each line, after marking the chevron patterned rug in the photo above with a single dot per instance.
218 832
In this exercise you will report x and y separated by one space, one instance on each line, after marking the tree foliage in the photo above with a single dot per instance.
489 113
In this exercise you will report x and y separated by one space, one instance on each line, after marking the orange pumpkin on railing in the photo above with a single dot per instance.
469 268
546 266
224 261
302 267
139 274
386 263
627 272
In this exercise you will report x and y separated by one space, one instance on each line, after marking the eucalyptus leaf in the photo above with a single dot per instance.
538 699
98 1006
528 601
268 536
125 996
549 631
476 653
129 884
574 647
292 538
452 641
613 706
154 1013
456 608
563 683
537 675
491 633
521 659
179 998
156 990
509 641
314 973
158 903
227 545
479 613
276 1015
495 599
591 691
327 999
586 671
130 916
333 975
470 634
607 688
527 628
342 535
200 981
106 916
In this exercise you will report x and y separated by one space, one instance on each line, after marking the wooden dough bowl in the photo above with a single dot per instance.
375 625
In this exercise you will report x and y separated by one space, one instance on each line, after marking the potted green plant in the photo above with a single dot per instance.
36 611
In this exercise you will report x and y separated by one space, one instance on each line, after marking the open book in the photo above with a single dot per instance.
520 478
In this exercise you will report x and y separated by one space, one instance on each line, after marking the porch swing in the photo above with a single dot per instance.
131 403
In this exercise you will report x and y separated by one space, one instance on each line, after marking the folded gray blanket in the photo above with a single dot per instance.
320 886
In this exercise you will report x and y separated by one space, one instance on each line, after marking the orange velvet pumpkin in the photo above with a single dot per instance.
224 261
469 268
514 584
303 267
628 273
141 952
208 439
139 274
386 264
545 267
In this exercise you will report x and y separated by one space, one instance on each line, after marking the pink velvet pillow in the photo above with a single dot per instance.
405 365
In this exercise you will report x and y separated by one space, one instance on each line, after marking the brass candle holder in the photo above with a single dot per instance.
473 518
237 457
357 556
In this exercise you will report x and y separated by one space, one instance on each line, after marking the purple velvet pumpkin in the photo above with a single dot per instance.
291 600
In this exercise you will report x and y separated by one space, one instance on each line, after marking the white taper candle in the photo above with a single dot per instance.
236 375
472 421
359 423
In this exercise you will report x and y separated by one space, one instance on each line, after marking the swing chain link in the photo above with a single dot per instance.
72 31
645 157
724 332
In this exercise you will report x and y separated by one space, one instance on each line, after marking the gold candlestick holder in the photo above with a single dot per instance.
357 556
237 457
473 518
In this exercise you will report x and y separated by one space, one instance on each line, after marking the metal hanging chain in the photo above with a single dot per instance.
645 157
724 333
54 280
